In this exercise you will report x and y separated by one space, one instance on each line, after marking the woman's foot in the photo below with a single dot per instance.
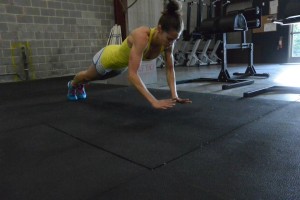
80 92
71 92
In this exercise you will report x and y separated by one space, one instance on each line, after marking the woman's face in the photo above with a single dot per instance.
168 38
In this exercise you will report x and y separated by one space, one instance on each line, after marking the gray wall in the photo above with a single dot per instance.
60 36
144 13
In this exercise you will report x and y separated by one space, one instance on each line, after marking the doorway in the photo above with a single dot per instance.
294 52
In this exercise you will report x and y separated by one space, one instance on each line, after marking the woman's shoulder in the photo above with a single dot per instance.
140 33
142 30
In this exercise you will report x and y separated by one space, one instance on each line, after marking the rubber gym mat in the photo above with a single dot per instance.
29 90
258 161
157 186
122 122
188 146
39 162
28 103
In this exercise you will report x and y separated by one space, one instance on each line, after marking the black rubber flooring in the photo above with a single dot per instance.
115 146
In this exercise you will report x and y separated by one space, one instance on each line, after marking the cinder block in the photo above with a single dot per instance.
22 2
31 11
90 2
44 51
50 28
57 36
75 1
81 7
41 20
2 8
27 35
69 21
36 44
43 67
56 20
24 19
94 8
65 43
50 43
64 28
88 14
2 68
4 44
8 18
47 12
6 61
54 4
66 58
38 28
38 59
75 14
39 3
3 27
14 9
42 36
7 53
62 13
68 6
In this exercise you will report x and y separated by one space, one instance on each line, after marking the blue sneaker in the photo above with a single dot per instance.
80 91
71 92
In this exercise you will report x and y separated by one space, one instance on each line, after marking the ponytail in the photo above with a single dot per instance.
173 7
171 18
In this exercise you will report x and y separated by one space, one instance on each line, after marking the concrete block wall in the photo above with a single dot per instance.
60 37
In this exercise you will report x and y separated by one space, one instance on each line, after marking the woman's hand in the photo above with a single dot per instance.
182 101
164 104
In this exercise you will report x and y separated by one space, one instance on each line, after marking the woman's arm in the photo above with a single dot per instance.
169 59
139 42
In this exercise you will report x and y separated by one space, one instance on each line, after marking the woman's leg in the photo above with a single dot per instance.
94 72
76 88
85 76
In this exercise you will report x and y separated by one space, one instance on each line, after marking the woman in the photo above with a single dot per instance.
143 43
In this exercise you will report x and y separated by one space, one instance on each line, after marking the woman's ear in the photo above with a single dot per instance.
159 29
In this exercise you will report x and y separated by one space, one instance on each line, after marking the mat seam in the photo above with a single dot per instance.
245 124
210 142
95 146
